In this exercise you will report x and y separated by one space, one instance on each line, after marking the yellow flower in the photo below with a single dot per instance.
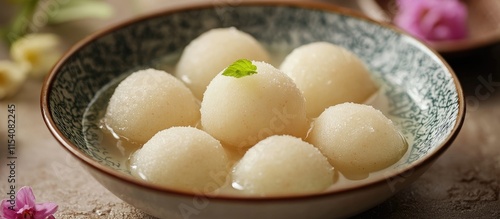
12 76
39 51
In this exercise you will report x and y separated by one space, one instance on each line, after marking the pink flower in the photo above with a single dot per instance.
26 208
433 20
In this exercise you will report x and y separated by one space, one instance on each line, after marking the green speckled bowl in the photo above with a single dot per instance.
419 91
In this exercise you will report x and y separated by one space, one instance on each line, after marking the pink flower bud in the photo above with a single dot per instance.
433 20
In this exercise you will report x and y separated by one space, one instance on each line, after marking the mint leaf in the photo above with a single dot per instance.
240 68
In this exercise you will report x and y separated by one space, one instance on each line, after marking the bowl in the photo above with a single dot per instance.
419 92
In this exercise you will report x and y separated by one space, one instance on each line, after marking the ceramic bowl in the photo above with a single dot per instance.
419 92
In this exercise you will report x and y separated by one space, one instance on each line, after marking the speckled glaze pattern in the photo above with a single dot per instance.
420 90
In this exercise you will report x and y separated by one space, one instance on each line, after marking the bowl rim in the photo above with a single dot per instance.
423 161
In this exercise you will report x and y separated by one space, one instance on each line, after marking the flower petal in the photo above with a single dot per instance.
44 210
433 19
40 51
5 212
12 75
25 197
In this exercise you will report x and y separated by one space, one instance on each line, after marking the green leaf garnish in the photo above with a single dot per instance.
240 68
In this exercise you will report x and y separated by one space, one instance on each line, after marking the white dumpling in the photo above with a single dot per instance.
183 158
282 165
357 139
148 101
242 111
213 51
328 74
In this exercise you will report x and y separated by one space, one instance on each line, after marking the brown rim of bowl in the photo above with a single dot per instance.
425 160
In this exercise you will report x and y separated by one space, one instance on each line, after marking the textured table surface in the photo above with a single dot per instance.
463 183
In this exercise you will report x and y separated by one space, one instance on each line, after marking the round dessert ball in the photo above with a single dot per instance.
328 74
357 138
183 158
282 165
149 101
242 111
213 51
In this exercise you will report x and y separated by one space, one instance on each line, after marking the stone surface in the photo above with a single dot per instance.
463 183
